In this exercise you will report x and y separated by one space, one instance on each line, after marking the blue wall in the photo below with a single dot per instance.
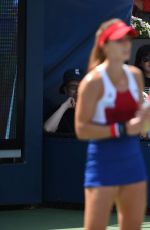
69 34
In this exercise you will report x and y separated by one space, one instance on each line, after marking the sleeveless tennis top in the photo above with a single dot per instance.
116 106
115 161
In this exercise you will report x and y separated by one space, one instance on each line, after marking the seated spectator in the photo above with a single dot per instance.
62 120
142 60
141 9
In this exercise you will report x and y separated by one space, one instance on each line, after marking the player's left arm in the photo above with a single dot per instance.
140 82
144 111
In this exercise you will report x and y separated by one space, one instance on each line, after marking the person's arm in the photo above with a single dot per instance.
139 4
90 91
143 113
143 5
51 125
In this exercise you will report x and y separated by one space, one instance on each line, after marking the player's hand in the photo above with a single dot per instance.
134 126
141 123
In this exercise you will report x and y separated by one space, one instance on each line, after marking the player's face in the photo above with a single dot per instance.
119 49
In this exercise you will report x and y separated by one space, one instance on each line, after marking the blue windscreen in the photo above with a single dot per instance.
70 27
10 101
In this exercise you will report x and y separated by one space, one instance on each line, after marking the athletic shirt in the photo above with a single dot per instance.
115 106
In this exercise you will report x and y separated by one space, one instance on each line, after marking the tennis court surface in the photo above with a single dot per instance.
51 219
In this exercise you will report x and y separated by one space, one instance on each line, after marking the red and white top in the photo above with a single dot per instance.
115 106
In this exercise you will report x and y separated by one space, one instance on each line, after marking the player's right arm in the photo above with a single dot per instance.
89 92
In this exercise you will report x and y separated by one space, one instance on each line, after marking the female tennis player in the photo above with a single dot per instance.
109 114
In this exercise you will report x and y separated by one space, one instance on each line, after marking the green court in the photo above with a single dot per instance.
51 219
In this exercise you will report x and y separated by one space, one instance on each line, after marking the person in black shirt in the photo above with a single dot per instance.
142 61
62 120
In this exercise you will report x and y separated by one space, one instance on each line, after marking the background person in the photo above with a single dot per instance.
141 9
62 120
142 61
115 171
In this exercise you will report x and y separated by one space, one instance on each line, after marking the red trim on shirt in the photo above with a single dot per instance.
113 130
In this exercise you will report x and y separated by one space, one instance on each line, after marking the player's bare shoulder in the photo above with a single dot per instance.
91 82
135 71
138 75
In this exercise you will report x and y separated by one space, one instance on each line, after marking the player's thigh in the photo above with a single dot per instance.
131 205
98 204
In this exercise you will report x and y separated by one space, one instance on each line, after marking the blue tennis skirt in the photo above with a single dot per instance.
114 162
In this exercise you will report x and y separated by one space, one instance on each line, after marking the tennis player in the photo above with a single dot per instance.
109 114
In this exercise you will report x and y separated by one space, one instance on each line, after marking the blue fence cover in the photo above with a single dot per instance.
70 27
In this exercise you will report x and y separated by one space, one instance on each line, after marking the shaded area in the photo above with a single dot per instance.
51 219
